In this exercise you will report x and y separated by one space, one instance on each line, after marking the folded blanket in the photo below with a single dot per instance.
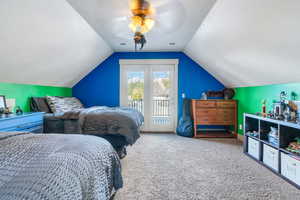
108 120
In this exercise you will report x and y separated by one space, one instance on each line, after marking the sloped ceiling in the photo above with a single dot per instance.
241 43
46 43
176 22
250 42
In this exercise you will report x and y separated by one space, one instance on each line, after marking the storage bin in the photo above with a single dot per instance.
253 148
290 168
270 157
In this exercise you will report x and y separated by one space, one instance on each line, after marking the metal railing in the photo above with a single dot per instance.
136 104
160 107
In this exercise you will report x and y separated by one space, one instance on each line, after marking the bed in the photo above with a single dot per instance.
119 125
55 166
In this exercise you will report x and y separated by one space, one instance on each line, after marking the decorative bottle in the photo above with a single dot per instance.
264 108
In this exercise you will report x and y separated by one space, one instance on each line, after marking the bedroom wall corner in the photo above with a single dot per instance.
22 93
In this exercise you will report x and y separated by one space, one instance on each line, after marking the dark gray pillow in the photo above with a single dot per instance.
39 104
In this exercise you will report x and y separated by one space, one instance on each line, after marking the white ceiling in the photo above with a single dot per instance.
47 43
176 21
241 43
250 42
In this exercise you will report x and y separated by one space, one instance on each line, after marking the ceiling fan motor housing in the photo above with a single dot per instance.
140 8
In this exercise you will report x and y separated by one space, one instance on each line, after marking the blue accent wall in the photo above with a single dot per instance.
101 86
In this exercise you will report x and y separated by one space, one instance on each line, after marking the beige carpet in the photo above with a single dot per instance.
166 166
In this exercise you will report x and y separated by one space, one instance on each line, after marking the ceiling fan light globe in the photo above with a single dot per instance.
132 27
149 23
137 20
144 30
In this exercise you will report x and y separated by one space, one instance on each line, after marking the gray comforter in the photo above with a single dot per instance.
57 167
108 120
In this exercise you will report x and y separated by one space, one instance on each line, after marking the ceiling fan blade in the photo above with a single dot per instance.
158 3
118 27
166 15
166 19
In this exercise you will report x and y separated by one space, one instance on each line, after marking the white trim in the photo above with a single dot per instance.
174 62
148 62
176 82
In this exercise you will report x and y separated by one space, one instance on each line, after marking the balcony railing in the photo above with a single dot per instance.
160 107
136 104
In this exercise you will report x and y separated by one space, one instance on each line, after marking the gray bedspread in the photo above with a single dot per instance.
108 120
57 167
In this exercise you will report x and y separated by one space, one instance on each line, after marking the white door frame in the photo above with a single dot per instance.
175 62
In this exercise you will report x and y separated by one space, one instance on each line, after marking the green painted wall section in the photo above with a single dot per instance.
21 93
250 98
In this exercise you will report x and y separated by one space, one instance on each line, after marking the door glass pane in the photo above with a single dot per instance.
135 91
161 94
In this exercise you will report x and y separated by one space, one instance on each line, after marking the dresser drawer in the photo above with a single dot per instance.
290 168
20 123
35 129
226 114
205 104
253 148
29 126
224 123
270 157
206 112
225 104
207 120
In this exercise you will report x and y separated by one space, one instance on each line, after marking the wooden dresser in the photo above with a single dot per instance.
214 112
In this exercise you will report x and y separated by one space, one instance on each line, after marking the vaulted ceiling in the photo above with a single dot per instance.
46 43
241 43
250 42
176 22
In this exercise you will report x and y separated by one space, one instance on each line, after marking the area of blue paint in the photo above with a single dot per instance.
102 85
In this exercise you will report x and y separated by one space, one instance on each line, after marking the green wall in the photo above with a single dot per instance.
22 93
250 98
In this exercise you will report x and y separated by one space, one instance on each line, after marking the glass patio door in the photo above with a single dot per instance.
151 90
162 98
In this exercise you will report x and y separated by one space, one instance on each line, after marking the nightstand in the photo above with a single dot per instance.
27 122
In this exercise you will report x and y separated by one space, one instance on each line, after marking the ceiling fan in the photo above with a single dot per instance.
142 20
160 17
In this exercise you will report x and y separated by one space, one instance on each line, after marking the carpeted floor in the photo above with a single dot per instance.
166 166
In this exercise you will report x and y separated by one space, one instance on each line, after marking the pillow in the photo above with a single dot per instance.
39 104
63 104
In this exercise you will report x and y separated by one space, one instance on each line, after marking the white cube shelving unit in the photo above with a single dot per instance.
273 156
